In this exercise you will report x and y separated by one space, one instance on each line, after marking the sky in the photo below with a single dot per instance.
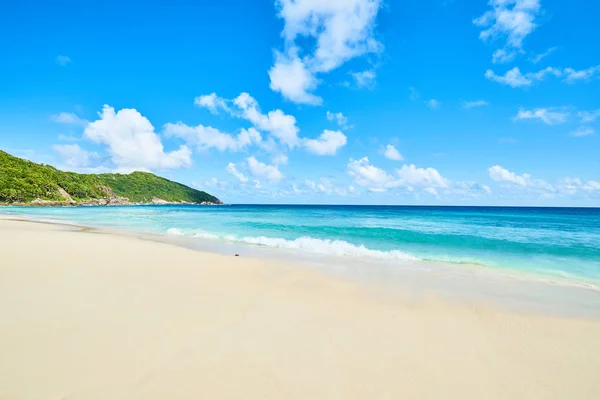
456 102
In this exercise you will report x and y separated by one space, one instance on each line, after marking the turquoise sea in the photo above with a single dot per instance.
557 242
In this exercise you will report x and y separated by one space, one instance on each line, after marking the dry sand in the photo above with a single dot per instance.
85 315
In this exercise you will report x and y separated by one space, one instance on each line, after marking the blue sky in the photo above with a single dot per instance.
304 101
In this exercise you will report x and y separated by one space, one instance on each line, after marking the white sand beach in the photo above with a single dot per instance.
88 315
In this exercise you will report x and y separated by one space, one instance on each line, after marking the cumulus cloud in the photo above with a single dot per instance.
582 131
549 116
212 102
513 78
511 21
408 177
279 125
206 137
74 156
500 174
473 104
339 119
262 170
341 30
68 118
291 77
390 152
232 169
327 144
279 159
526 183
364 79
132 142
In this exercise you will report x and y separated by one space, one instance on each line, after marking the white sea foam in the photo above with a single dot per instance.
174 232
305 243
328 247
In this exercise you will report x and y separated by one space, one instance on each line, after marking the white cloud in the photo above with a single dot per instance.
279 159
549 116
74 156
341 29
589 116
280 125
277 123
339 118
513 78
232 169
206 137
364 79
409 175
432 191
132 142
500 174
392 153
582 131
212 102
327 144
325 186
539 57
68 118
369 176
512 20
543 73
591 186
262 170
502 56
293 79
525 181
472 104
572 186
433 104
63 61
573 75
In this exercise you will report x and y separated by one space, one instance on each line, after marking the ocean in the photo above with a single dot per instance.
551 242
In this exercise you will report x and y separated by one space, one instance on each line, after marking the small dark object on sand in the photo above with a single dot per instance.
237 255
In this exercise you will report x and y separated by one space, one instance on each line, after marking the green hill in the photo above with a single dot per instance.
23 181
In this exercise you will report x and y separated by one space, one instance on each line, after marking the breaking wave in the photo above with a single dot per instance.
305 243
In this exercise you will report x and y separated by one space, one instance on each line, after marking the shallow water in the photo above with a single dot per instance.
552 242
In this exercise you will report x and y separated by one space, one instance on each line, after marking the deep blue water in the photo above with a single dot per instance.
551 241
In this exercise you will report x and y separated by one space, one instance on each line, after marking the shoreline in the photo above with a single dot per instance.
107 316
462 283
279 253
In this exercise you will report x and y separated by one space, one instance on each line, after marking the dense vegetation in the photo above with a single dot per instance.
24 181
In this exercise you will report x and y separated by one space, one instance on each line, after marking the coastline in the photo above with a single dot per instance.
105 316
220 246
